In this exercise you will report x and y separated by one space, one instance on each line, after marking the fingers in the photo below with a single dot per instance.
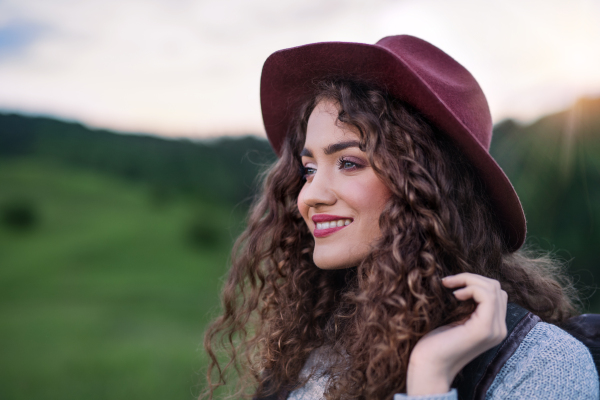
477 293
467 278
489 302
490 298
491 288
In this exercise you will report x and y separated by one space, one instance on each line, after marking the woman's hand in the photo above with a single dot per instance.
442 353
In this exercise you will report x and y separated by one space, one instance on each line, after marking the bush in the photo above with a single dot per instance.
19 215
202 235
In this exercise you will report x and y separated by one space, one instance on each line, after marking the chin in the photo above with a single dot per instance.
334 260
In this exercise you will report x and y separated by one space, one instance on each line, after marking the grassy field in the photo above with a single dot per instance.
105 292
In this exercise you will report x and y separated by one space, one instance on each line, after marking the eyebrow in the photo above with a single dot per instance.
333 148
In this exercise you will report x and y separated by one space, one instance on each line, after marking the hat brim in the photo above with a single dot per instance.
286 83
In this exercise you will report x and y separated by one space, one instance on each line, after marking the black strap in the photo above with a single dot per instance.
473 382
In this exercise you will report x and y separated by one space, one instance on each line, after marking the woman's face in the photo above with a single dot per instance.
342 198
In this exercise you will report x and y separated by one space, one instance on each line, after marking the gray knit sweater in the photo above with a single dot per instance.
549 364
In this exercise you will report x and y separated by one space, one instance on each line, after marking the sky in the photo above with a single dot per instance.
191 68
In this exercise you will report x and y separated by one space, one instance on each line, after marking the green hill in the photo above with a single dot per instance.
221 170
554 165
104 294
112 252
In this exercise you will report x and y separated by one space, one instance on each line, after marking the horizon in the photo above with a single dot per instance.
261 135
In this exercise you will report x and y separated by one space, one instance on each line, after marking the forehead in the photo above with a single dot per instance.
323 127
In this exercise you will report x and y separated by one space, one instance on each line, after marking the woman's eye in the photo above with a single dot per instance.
308 172
348 165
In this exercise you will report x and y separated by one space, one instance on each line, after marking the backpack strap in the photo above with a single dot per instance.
473 382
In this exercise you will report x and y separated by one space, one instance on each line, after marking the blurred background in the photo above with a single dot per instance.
131 138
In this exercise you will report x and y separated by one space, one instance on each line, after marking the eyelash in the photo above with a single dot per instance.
341 161
340 164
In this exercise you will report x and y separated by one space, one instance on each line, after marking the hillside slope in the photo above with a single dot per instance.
554 165
217 170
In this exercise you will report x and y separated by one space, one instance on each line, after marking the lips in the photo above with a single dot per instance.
326 224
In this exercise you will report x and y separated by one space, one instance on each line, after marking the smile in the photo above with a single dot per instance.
333 224
325 224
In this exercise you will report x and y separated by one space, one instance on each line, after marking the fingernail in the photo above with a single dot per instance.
446 277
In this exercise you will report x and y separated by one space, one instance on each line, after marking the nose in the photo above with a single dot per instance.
318 192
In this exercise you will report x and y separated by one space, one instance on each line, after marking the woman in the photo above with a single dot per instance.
380 256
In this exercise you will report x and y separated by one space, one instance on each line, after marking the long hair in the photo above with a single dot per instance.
278 307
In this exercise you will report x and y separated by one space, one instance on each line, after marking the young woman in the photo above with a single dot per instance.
384 247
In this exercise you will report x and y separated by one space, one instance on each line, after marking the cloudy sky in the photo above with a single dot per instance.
192 67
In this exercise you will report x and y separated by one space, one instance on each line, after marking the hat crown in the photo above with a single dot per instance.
452 83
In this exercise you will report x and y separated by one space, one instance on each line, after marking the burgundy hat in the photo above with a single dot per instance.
413 71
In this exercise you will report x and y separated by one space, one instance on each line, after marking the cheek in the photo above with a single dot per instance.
368 197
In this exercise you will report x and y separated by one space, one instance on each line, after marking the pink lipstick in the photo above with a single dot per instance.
326 224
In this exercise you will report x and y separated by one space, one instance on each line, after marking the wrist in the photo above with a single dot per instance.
427 379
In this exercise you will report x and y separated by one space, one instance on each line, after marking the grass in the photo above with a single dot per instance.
106 294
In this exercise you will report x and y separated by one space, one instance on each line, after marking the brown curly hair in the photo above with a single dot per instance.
278 307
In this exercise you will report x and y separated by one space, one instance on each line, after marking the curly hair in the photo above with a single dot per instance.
278 307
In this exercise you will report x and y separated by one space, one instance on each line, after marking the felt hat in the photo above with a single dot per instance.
413 71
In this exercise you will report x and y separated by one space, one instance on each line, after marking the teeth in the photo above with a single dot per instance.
333 224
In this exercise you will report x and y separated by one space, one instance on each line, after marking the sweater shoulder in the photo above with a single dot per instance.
549 363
